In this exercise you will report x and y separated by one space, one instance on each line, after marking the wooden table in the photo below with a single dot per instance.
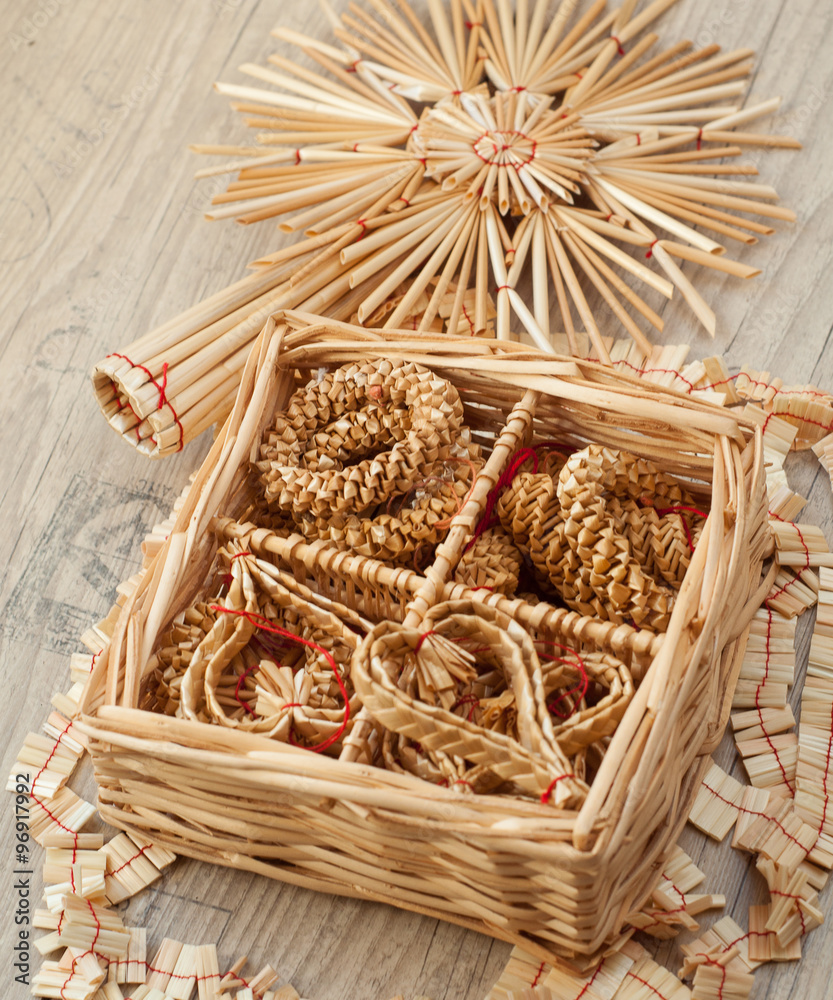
103 237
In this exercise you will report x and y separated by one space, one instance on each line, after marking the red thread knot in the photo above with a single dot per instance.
163 399
263 623
650 252
545 796
422 639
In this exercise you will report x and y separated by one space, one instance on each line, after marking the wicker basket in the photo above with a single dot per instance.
555 878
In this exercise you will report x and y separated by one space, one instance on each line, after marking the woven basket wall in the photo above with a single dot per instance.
556 881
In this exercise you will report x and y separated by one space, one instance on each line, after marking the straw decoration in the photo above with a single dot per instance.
620 137
556 147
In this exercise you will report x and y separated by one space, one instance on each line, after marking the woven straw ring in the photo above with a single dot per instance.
360 434
611 535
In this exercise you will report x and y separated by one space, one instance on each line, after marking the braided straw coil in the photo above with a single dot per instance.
348 417
610 536
533 762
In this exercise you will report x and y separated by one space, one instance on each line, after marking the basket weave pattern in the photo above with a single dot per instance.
556 878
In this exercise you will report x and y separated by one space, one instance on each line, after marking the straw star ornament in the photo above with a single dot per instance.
486 151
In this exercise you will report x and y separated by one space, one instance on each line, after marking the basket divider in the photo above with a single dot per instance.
518 425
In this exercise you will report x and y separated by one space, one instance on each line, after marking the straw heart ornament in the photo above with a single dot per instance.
472 155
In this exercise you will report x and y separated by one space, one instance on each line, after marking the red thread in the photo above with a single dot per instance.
754 812
52 753
699 138
501 287
135 857
363 224
538 974
580 690
260 622
758 690
545 796
125 404
796 576
467 699
645 982
89 951
505 136
619 48
590 981
297 157
240 680
791 895
442 525
638 139
516 461
55 820
163 399
824 781
517 90
650 254
664 511
468 319
422 639
723 969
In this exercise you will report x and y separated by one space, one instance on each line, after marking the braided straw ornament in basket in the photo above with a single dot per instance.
554 868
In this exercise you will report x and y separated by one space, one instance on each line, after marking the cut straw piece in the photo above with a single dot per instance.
717 806
763 943
132 864
65 811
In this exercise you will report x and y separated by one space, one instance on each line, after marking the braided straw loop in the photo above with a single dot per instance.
532 761
362 432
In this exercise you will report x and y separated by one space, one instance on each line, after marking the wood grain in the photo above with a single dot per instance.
102 237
